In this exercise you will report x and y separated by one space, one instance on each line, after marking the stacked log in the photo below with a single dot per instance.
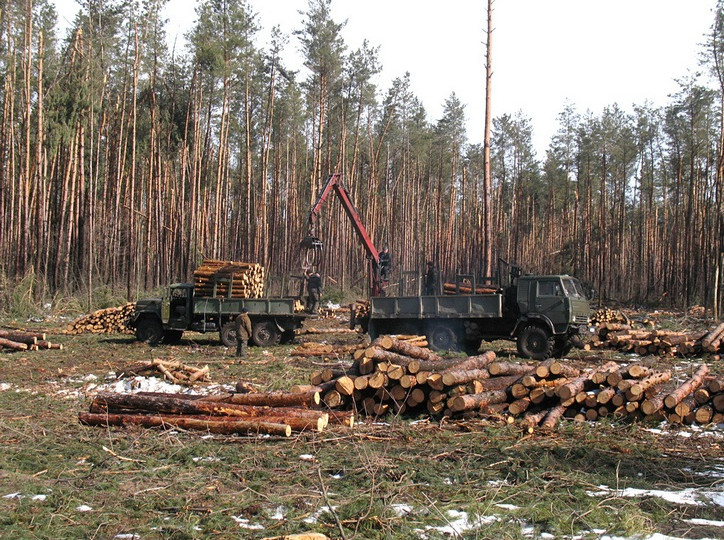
607 315
171 370
245 279
274 413
625 338
467 288
322 350
359 313
24 340
104 321
391 376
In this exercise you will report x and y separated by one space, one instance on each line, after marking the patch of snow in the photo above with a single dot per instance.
315 517
689 496
459 522
705 522
546 535
128 536
38 497
507 506
205 459
245 524
83 508
278 513
402 509
5 386
308 457
15 495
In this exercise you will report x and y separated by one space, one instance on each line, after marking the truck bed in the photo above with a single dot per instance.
232 306
423 307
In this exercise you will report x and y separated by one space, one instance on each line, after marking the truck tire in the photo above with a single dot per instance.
227 334
265 333
149 330
534 342
442 337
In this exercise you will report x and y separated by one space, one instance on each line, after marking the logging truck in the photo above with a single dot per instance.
154 320
543 314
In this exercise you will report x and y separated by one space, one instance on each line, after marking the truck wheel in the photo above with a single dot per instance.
149 330
441 337
172 337
534 342
266 333
227 334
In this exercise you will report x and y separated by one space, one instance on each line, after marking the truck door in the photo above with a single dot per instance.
179 308
548 300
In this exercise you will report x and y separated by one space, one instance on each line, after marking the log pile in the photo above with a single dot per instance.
104 321
23 340
399 377
360 311
467 288
607 315
246 280
624 337
273 413
171 370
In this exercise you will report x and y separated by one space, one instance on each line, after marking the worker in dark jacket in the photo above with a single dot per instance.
432 279
385 264
314 292
242 324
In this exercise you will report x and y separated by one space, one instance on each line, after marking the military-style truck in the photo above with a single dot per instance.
273 320
543 314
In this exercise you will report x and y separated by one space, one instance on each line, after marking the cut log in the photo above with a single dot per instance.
8 344
480 361
704 414
687 388
655 379
453 377
712 337
507 368
406 348
169 421
478 401
278 399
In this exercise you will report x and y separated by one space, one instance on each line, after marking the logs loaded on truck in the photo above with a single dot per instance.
219 293
543 314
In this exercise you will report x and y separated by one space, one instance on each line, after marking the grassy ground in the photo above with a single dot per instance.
401 478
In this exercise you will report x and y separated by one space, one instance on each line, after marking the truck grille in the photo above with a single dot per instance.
580 319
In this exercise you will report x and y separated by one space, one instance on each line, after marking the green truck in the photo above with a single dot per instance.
543 314
165 319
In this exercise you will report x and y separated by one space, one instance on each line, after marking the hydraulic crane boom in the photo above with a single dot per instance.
312 242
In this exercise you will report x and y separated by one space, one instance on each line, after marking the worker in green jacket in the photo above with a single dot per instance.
242 323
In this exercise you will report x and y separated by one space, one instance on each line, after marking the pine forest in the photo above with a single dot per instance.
124 163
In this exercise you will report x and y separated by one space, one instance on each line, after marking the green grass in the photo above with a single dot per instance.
177 484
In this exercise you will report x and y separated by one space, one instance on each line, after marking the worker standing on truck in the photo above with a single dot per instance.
432 278
314 292
385 264
242 324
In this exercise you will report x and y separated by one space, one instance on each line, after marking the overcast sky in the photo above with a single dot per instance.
591 53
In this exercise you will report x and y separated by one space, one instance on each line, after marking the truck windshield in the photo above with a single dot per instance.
573 288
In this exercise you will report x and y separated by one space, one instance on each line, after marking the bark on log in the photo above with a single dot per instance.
478 401
451 378
713 336
473 362
211 426
406 348
497 369
570 389
675 397
554 415
278 399
8 344
655 379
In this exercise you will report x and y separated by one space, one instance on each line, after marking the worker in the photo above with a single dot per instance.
385 264
314 292
242 323
432 278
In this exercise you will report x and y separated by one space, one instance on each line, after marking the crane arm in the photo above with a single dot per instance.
334 183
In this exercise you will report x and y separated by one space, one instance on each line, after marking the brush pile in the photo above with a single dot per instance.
393 375
104 321
273 413
170 370
22 340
